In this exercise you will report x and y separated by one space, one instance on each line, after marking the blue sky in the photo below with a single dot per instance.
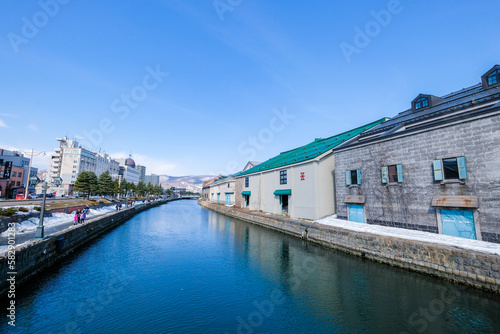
201 87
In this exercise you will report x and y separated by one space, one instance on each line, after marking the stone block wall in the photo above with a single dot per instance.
408 204
481 270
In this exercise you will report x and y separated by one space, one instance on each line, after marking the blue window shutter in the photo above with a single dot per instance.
348 177
438 170
400 173
462 168
385 176
358 171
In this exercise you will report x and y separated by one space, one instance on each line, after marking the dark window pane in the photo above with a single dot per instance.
492 78
450 167
283 177
393 173
354 177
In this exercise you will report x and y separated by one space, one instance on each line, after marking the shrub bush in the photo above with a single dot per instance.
23 209
8 212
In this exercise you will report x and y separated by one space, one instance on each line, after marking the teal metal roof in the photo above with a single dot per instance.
311 150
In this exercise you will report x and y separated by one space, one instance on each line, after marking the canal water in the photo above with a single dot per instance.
179 268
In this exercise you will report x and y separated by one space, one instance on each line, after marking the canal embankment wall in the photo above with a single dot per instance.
470 267
35 256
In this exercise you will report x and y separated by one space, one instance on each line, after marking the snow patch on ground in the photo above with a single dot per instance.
57 218
475 245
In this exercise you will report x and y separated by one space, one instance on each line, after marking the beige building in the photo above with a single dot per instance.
298 183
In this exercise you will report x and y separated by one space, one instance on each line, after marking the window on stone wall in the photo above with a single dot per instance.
450 169
247 182
353 177
392 174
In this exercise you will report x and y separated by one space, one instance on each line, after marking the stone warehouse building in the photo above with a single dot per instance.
433 167
298 183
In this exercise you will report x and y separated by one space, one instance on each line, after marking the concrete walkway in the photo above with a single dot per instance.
24 237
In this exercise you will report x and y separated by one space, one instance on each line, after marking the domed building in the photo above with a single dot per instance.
128 170
130 162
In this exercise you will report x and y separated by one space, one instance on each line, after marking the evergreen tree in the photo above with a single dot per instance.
105 184
141 188
93 183
150 189
132 188
116 187
124 187
86 183
158 190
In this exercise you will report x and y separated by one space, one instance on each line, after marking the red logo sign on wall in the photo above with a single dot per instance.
302 176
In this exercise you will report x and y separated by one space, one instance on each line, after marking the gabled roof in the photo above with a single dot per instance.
310 151
250 164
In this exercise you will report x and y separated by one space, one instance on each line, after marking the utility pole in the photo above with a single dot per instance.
29 170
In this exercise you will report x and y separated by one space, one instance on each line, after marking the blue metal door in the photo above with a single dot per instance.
458 223
356 213
228 199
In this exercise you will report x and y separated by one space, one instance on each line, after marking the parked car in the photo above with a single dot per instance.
48 195
20 196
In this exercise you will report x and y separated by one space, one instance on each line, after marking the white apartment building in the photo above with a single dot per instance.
70 159
105 163
153 179
142 173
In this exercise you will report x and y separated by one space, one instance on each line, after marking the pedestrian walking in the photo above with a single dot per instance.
76 219
78 214
84 215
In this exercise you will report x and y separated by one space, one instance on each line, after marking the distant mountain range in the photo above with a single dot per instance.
192 183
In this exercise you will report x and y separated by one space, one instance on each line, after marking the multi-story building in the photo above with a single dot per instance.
142 173
433 167
19 160
105 163
153 179
128 171
70 159
11 180
298 183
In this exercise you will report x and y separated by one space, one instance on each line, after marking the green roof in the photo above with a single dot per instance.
311 150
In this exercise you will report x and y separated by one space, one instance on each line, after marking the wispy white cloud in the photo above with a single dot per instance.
41 159
32 127
2 124
153 165
8 115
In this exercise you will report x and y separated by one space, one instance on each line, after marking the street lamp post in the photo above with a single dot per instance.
34 180
29 179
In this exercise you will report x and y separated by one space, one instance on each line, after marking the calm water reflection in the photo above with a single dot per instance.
182 269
